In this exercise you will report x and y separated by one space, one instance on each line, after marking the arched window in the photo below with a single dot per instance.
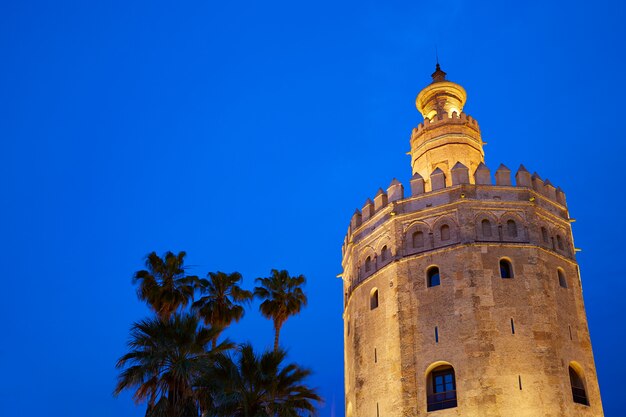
559 241
384 253
544 235
441 393
368 264
432 276
506 269
374 299
561 274
511 228
445 232
578 387
486 226
418 239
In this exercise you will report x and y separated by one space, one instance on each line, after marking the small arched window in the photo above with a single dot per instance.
432 276
441 388
544 235
374 299
486 226
384 253
561 274
418 239
578 387
511 228
445 232
506 269
368 264
559 241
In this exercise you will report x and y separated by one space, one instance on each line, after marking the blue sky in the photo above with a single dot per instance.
246 133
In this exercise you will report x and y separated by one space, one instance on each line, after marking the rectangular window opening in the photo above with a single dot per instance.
512 327
519 379
436 334
377 411
375 356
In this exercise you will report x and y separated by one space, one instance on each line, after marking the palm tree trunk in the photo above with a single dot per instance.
276 335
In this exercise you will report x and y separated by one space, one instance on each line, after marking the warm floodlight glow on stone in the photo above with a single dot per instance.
463 298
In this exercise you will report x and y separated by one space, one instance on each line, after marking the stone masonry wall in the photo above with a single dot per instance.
390 349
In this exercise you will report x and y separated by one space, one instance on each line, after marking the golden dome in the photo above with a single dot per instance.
440 97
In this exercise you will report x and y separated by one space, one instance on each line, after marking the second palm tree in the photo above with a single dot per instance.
282 297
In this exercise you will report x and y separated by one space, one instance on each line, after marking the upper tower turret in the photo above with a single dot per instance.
447 135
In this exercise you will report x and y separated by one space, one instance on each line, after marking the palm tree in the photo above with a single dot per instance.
283 297
256 386
165 358
223 301
164 285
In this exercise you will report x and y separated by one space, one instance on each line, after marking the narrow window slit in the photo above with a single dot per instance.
375 356
377 411
519 379
512 327
570 332
436 334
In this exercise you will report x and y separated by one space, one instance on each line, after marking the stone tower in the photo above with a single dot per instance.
464 297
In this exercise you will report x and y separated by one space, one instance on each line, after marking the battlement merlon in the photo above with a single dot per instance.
445 119
529 188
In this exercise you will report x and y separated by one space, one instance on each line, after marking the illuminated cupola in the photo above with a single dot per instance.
440 97
447 135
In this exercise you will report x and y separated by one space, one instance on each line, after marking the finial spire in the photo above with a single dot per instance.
438 75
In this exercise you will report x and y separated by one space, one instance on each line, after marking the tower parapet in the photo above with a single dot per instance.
464 295
473 191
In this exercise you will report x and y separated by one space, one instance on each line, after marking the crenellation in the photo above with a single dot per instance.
395 191
503 175
460 174
437 180
356 219
483 189
368 210
482 175
380 200
560 196
446 120
522 177
549 190
537 183
417 184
